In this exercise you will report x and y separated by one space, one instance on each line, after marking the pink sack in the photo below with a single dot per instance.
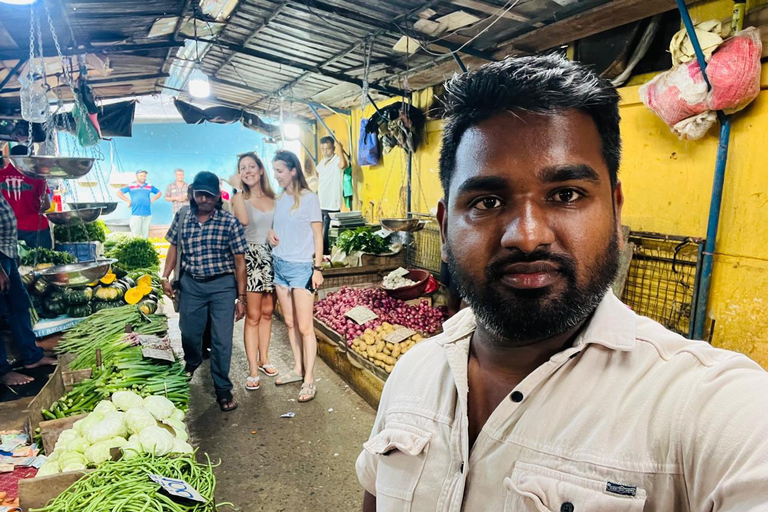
676 94
734 72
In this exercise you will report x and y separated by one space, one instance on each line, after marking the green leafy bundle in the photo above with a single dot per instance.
81 232
361 239
135 253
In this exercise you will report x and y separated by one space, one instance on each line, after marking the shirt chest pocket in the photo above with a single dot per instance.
401 451
533 488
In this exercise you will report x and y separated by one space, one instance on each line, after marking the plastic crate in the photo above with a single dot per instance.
83 251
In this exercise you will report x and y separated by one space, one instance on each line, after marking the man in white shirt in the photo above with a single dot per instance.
548 393
330 172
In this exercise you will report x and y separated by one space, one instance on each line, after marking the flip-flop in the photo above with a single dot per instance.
307 389
252 383
289 378
224 399
269 367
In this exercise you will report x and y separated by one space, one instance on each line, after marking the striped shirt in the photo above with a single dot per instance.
8 235
208 249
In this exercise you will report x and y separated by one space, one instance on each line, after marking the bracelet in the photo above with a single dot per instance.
164 278
319 268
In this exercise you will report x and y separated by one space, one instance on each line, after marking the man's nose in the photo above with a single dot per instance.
528 228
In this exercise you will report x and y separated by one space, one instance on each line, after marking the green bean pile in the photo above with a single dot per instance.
125 486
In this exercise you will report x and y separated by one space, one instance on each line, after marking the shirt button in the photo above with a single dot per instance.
517 397
567 507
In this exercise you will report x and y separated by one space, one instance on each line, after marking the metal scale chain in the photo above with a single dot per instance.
30 63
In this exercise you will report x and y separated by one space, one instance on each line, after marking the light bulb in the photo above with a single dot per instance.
291 131
199 86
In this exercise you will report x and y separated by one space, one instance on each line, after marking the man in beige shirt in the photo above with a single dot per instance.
548 394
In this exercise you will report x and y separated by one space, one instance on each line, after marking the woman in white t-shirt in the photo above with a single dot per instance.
297 238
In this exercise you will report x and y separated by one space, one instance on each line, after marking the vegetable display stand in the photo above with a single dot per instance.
83 251
60 381
384 261
355 276
50 430
37 492
360 377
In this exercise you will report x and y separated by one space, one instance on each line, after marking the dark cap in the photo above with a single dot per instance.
141 171
206 182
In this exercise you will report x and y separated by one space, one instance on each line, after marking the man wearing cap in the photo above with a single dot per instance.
142 195
213 280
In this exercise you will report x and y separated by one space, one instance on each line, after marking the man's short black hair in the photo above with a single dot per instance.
328 140
544 84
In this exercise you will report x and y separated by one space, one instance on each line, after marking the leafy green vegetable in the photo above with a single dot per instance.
361 239
135 253
40 255
81 232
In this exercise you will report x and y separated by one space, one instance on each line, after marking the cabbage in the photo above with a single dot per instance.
180 446
105 406
132 448
177 415
156 441
99 452
179 429
111 426
77 445
74 466
49 467
125 400
84 425
160 407
65 437
53 457
68 458
137 419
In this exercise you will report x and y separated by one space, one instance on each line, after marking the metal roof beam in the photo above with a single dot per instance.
117 48
104 81
264 23
341 77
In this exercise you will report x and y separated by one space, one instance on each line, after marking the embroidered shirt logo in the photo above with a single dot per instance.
620 489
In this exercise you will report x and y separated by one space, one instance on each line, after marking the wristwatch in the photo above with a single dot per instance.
319 268
164 278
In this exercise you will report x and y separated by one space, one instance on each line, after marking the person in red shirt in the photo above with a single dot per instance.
28 198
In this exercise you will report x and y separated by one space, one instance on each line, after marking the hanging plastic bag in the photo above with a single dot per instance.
34 99
87 134
368 146
348 189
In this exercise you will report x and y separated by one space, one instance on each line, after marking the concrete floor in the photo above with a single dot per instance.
302 464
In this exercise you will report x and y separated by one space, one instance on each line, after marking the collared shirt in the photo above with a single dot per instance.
176 190
208 249
9 237
330 183
25 195
141 198
631 418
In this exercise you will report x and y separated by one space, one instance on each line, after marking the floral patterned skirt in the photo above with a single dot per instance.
258 262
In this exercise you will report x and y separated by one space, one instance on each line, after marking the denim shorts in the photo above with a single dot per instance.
289 274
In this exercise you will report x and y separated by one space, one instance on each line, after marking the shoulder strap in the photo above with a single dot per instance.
183 216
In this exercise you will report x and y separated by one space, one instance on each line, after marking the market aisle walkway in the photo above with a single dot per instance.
301 464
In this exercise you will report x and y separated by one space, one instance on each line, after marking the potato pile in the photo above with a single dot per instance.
380 352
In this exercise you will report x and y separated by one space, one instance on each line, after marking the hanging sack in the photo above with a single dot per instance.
368 146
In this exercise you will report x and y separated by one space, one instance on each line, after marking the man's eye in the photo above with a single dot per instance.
488 203
566 196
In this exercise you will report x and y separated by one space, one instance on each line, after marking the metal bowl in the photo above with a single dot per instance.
76 274
400 224
74 216
44 167
106 207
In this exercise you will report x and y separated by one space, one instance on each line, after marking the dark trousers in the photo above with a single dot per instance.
14 305
326 227
35 239
198 300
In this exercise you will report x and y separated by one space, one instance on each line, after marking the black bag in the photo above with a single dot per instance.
176 282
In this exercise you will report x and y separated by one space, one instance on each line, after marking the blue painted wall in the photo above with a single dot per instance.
162 148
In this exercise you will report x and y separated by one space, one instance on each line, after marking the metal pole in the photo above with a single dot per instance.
408 185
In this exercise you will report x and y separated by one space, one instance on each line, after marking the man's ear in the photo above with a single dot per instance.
618 204
442 219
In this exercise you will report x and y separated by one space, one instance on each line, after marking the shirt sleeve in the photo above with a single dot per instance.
172 235
155 190
313 205
125 190
723 431
237 244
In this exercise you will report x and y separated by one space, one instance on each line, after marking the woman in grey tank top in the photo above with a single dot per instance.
255 209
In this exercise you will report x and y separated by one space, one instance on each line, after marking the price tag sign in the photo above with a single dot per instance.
178 488
361 315
153 353
399 335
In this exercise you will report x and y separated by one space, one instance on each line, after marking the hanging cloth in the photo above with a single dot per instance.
349 190
368 145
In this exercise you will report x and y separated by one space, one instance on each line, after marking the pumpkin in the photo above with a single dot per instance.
148 307
98 305
79 311
29 280
133 296
144 289
109 293
77 296
54 305
109 278
41 287
146 279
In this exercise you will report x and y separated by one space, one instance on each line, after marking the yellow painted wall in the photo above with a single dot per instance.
667 183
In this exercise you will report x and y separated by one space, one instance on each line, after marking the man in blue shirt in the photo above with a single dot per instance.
142 195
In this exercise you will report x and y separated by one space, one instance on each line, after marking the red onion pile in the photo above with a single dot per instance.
421 318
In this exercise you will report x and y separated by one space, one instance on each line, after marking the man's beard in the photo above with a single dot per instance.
515 315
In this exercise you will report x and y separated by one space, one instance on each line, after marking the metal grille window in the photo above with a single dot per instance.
423 248
663 279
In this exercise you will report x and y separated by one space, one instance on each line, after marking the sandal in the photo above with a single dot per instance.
226 401
189 370
252 383
289 378
269 370
307 389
